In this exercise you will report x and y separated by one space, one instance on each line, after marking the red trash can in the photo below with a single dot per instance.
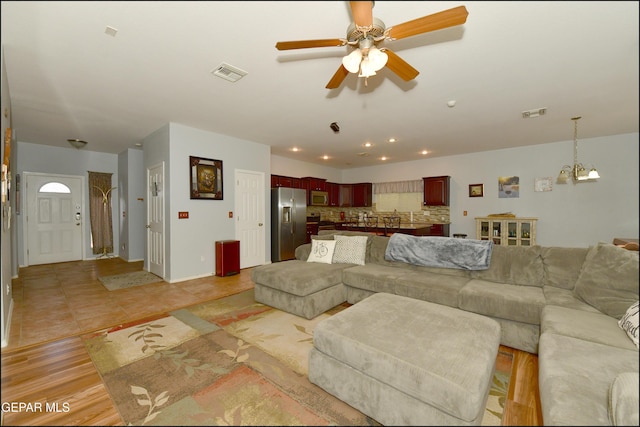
227 257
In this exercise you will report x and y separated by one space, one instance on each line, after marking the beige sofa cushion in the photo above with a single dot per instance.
562 266
609 279
515 265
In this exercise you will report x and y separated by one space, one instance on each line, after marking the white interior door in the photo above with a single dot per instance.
250 217
155 220
54 220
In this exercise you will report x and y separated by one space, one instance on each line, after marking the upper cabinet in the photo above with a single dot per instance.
285 181
334 193
355 195
362 194
314 184
436 190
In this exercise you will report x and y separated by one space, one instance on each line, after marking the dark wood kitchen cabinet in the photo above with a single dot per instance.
334 193
362 194
314 184
436 190
285 181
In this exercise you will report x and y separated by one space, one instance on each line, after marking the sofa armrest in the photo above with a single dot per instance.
303 251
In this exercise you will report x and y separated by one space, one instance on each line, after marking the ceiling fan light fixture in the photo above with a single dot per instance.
366 68
377 58
352 61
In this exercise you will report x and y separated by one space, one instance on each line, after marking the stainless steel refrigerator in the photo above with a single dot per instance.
288 222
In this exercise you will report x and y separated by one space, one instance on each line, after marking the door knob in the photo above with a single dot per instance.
259 224
147 226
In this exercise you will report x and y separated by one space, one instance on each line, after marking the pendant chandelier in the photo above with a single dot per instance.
578 171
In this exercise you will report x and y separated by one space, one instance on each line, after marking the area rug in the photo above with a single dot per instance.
230 361
128 280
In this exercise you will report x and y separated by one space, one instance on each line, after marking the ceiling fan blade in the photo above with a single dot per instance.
437 21
400 66
304 44
338 78
362 13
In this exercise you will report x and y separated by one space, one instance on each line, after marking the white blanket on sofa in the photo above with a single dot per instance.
433 251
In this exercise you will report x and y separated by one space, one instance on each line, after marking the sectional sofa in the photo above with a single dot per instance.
564 304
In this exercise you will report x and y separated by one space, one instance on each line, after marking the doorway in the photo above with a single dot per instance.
155 220
54 218
250 217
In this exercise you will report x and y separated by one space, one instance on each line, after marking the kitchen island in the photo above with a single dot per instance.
414 229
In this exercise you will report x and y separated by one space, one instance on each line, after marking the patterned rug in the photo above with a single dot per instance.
230 361
128 280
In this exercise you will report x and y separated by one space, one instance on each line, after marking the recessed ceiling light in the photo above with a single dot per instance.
367 145
325 157
295 149
383 158
424 152
392 140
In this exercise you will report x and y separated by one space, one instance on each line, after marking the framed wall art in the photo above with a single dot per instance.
508 187
476 190
543 184
205 178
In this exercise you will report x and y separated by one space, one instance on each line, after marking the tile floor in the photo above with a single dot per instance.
54 301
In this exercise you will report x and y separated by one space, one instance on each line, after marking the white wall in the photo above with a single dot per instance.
38 158
8 265
190 243
287 167
131 205
571 215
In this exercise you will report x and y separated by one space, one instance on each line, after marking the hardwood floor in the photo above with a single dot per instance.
46 367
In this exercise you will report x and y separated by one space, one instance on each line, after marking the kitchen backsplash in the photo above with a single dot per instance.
434 214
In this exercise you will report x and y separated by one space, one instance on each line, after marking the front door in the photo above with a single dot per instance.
250 212
155 220
54 220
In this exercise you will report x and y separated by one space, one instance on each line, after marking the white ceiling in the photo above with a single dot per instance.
68 78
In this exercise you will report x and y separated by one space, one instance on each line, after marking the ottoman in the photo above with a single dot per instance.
404 361
306 289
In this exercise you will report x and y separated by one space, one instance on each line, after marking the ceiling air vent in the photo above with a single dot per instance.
534 113
229 72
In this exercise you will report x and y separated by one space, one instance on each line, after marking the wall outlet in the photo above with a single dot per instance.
202 258
426 213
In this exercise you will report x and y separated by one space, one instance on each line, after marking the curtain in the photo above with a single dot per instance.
100 212
415 186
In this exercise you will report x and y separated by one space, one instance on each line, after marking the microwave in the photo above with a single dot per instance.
319 198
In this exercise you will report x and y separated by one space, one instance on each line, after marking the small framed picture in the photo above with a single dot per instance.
543 184
476 190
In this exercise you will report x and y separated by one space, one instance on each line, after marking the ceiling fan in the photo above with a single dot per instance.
365 32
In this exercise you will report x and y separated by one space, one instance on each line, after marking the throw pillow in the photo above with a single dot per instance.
322 251
629 323
608 280
350 249
623 399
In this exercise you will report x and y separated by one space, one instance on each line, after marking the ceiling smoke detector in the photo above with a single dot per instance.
534 113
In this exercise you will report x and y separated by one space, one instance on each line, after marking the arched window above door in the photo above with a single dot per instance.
54 187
